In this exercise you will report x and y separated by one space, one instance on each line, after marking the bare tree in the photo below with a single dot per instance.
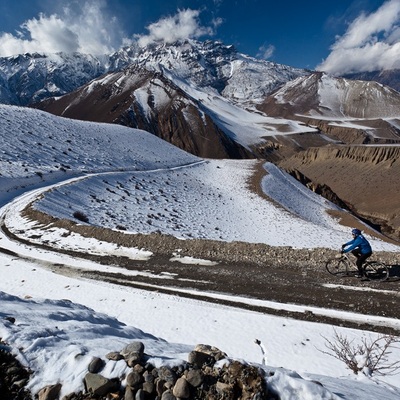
371 356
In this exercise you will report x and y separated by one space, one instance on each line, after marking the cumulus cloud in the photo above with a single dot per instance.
183 25
84 27
371 43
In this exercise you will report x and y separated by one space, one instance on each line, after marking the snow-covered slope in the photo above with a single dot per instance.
120 175
58 338
163 189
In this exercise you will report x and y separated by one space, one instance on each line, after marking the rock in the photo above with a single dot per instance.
149 387
96 365
224 390
167 374
160 386
195 377
13 376
134 379
211 350
139 369
129 393
98 385
199 359
148 377
181 389
114 356
133 352
168 396
140 395
50 392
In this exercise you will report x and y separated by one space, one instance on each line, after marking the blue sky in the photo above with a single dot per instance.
334 35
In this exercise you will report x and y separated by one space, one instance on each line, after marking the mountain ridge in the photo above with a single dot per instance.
39 69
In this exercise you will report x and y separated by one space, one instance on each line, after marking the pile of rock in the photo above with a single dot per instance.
207 374
13 376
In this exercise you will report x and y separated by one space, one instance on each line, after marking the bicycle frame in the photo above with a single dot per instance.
350 260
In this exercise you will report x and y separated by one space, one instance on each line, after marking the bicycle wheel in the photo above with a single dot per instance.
376 271
338 267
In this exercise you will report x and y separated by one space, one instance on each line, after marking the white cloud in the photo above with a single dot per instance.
266 51
183 25
84 27
371 42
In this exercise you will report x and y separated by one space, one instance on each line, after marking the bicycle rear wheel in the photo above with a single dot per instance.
338 267
376 271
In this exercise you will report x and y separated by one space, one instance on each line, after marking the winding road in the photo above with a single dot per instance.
298 290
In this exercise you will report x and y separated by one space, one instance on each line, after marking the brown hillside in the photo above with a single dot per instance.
366 178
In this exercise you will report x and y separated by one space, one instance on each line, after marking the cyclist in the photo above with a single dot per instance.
359 247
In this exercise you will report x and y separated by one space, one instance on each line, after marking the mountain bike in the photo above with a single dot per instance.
342 265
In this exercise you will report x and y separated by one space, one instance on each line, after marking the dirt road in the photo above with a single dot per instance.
244 272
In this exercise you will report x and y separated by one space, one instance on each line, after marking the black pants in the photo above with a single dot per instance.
361 258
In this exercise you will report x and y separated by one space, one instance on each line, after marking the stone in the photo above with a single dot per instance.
211 350
98 384
167 395
148 377
225 390
96 365
134 379
129 393
133 353
133 360
114 356
195 377
140 395
149 387
181 388
50 392
199 359
167 374
133 349
160 386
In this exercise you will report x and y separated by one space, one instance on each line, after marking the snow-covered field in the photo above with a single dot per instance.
123 177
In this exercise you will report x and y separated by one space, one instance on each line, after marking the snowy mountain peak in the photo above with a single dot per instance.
29 78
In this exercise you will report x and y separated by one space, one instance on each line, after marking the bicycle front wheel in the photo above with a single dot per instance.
338 267
376 271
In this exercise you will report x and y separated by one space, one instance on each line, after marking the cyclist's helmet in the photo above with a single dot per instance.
355 232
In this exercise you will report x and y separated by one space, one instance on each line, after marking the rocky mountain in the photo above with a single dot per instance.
29 78
138 98
195 95
389 78
352 112
319 95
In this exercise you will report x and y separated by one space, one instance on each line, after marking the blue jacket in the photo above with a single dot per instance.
359 242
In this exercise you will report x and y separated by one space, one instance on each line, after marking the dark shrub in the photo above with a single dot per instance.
81 216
